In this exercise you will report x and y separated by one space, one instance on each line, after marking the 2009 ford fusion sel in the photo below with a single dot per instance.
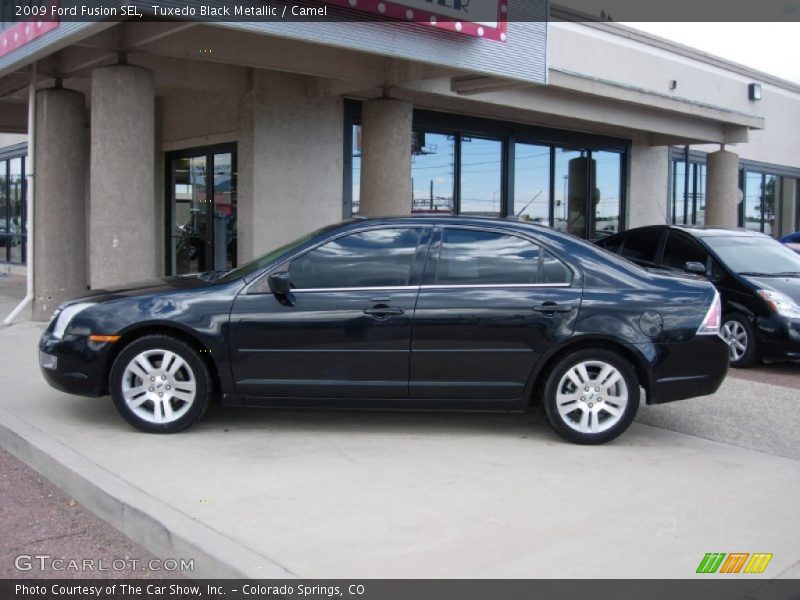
407 312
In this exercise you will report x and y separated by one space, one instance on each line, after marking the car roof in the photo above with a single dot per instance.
428 219
701 231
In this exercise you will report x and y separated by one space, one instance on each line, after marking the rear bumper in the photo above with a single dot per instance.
688 370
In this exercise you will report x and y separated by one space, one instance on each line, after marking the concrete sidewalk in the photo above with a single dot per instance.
355 494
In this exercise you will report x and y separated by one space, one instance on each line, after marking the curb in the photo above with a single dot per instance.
156 526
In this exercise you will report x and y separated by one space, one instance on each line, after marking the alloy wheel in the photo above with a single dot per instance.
592 396
735 334
158 386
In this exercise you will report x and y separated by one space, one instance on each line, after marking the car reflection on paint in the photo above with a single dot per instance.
418 312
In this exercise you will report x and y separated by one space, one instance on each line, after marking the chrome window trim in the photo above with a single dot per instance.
433 287
450 286
358 289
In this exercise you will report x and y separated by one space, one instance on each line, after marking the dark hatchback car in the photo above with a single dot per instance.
415 312
757 277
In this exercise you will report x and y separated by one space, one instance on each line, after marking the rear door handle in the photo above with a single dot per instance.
383 312
552 307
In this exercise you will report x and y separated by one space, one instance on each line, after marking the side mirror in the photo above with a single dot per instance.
279 283
695 267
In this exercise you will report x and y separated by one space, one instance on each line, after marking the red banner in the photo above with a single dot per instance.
476 18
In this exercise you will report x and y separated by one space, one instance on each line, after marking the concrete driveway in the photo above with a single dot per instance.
327 494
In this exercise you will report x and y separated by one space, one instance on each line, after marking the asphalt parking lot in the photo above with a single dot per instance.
367 494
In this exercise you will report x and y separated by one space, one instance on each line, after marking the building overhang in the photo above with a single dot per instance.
561 106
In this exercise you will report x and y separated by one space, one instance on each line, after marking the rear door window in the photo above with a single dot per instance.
473 257
641 246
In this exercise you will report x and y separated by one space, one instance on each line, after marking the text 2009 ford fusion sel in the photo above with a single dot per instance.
410 312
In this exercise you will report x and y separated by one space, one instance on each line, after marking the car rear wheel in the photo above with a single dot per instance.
738 332
591 396
160 384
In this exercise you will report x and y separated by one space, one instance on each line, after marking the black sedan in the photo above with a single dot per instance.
757 277
416 312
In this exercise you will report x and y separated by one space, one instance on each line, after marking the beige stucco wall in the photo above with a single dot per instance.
647 191
297 160
614 58
9 139
778 143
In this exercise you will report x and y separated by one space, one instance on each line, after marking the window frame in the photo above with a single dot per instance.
435 247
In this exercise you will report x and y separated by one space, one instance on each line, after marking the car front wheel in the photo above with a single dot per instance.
738 332
591 396
160 384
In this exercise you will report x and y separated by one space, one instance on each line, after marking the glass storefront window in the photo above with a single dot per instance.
481 177
687 198
203 211
678 192
567 191
433 157
224 212
3 209
769 203
607 192
12 210
465 171
700 195
761 201
356 189
532 183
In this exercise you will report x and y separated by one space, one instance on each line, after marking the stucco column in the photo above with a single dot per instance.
60 212
385 158
124 243
722 189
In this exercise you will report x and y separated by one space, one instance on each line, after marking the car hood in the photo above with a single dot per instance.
786 285
150 286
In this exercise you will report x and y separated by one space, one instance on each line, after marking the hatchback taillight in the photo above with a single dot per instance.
713 319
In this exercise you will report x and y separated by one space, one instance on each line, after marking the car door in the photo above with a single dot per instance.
491 304
344 329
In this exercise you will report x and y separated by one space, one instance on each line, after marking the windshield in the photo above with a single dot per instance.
262 261
755 255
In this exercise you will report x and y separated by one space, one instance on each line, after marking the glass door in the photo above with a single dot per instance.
201 210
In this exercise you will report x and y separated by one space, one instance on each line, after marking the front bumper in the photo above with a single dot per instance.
74 364
778 338
690 369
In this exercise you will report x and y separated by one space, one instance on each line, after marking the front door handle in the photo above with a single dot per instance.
552 307
383 311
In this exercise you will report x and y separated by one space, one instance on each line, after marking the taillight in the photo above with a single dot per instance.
713 319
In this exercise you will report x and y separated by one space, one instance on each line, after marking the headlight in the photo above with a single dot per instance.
65 315
781 303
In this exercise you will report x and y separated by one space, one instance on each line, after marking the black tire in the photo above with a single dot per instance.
184 412
736 325
596 404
